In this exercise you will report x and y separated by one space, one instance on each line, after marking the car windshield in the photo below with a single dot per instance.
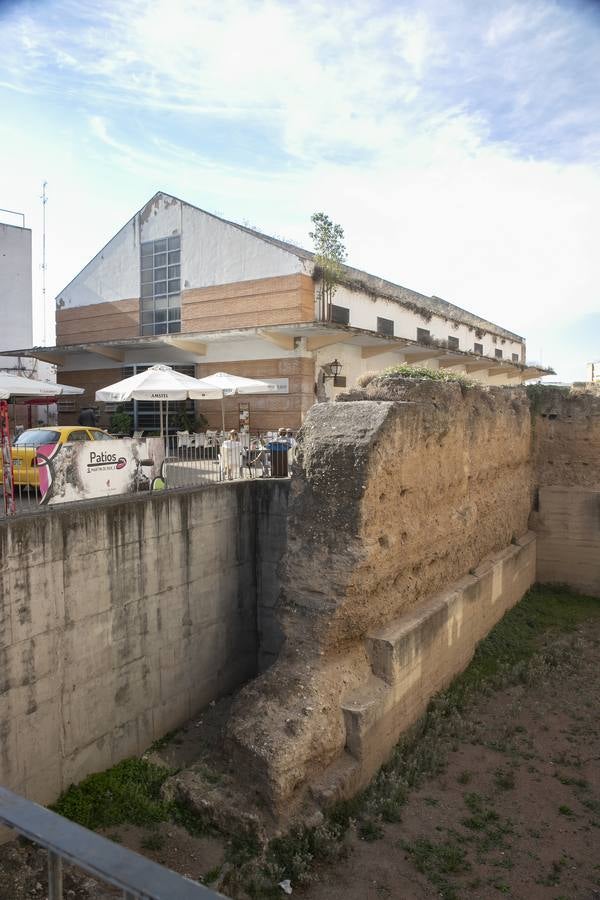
102 436
35 437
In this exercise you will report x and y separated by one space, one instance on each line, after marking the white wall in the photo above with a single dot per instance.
364 310
212 252
16 315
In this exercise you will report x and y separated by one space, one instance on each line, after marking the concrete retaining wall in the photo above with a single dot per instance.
120 619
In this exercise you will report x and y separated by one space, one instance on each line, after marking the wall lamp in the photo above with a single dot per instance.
332 369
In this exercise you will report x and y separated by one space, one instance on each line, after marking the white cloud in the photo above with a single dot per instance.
413 127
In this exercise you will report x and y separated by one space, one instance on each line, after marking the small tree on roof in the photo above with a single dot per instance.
330 255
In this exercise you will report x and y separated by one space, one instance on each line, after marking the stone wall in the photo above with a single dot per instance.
397 497
566 515
120 619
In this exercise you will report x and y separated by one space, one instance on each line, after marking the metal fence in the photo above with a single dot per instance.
137 877
191 460
209 457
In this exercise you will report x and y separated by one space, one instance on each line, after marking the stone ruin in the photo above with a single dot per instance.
407 541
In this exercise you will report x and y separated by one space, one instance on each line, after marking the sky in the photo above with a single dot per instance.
457 143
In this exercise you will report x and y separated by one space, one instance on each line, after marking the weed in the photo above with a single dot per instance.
504 780
153 841
368 830
554 875
566 811
500 886
212 875
437 861
163 741
464 778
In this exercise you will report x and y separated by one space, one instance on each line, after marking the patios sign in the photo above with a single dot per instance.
87 470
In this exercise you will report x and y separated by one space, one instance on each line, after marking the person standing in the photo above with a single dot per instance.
87 418
231 457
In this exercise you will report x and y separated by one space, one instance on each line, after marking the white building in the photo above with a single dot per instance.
179 285
16 315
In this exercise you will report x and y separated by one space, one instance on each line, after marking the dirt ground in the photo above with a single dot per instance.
516 811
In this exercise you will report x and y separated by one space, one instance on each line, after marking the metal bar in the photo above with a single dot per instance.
100 857
55 879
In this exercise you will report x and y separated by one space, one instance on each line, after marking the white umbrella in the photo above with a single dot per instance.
228 385
155 383
19 386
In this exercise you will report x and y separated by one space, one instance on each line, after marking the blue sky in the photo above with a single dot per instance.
457 143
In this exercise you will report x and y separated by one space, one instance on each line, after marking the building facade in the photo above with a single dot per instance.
16 313
181 286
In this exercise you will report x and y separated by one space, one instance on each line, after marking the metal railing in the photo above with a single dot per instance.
137 877
203 458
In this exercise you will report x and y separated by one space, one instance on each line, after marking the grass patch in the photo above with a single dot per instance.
153 841
129 793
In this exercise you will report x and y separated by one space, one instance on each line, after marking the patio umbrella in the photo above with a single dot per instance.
158 382
229 385
18 386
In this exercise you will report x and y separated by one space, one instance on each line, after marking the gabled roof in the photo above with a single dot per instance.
357 279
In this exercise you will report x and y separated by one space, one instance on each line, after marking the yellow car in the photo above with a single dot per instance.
25 448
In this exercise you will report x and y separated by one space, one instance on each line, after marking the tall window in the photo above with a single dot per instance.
160 311
452 342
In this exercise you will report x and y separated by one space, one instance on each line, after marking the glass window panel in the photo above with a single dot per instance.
174 286
147 248
160 328
147 262
173 301
160 303
160 315
174 327
160 274
147 305
174 271
174 242
148 317
161 245
174 257
146 276
160 259
160 287
146 290
147 329
174 314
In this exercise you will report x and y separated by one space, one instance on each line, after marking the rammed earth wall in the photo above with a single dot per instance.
407 541
120 619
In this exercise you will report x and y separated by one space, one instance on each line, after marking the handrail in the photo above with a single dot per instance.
139 878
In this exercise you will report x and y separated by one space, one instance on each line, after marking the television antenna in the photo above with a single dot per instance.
44 200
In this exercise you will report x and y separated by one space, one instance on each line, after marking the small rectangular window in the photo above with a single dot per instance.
340 314
423 335
478 348
452 342
160 259
515 357
498 354
160 246
174 327
385 326
174 257
174 242
174 286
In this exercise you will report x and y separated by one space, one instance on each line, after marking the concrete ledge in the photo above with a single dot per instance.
418 655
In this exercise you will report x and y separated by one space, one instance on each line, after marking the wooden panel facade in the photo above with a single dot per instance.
244 304
90 380
112 321
267 411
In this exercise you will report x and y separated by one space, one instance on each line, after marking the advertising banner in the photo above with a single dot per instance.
91 469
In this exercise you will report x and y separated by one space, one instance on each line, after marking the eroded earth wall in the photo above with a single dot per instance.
566 516
407 540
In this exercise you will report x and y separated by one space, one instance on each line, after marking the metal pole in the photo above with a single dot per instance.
55 880
223 414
